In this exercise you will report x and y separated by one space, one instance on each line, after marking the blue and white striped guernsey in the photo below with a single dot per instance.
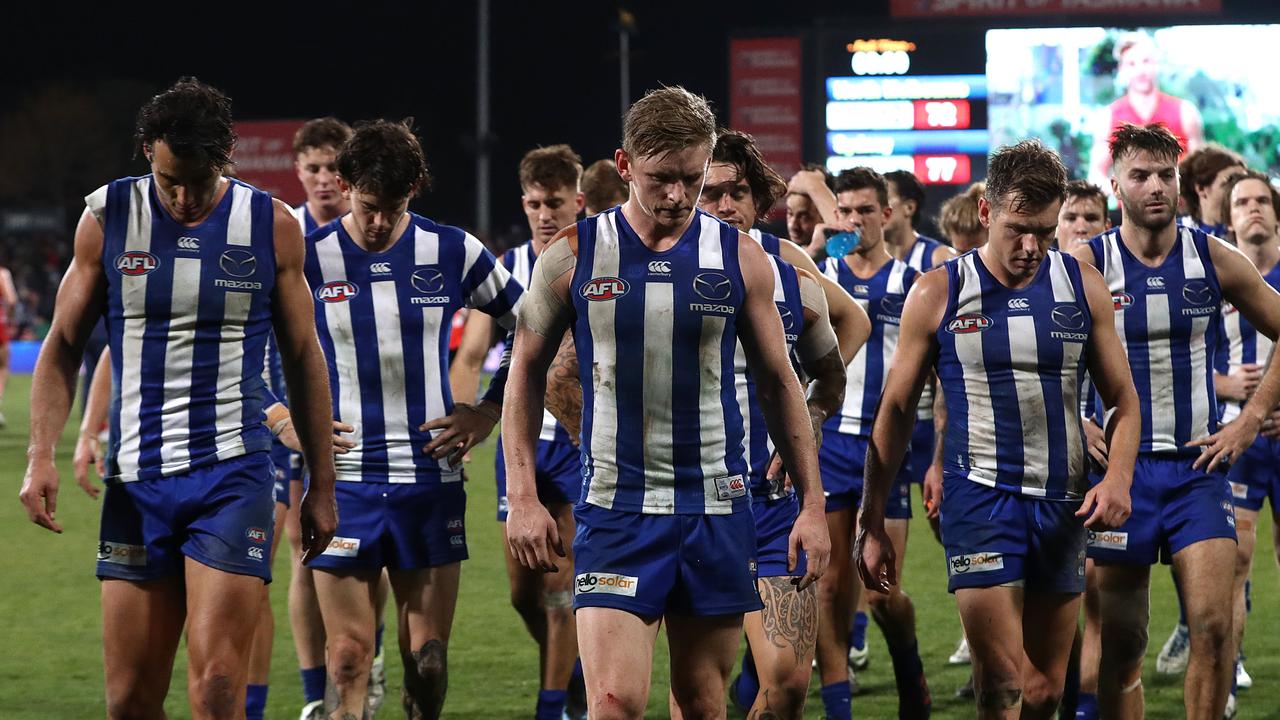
1241 344
655 334
1010 364
188 315
305 220
519 261
1167 319
383 320
882 297
920 257
770 242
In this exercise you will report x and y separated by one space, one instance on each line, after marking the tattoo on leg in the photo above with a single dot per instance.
790 618
767 712
333 701
423 696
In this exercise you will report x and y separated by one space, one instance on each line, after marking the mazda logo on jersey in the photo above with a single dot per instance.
136 262
892 304
1197 292
427 280
712 285
968 323
604 288
788 320
1068 317
238 263
1121 300
336 291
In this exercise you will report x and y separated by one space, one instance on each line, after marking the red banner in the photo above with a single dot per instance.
766 97
264 158
992 8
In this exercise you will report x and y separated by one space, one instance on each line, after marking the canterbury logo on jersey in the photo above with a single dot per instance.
1155 283
1020 304
189 244
968 323
380 268
861 290
660 267
336 291
604 288
136 262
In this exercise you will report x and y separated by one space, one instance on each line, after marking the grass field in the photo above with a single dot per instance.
51 623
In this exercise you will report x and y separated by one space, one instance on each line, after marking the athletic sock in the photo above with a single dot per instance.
576 676
313 682
1087 707
836 700
1248 596
550 704
1070 692
255 702
377 640
858 635
908 672
747 686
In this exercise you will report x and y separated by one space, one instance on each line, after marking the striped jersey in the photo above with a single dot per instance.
770 242
1218 230
1241 344
655 334
519 262
920 257
305 219
882 297
786 296
1010 363
188 315
383 320
1168 320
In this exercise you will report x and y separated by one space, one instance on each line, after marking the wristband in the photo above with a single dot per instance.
279 427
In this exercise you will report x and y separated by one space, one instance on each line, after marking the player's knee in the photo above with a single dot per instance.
997 696
786 699
213 690
1211 632
525 599
699 702
349 657
559 606
134 702
430 665
1040 696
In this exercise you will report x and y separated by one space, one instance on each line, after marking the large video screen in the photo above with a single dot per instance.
1071 86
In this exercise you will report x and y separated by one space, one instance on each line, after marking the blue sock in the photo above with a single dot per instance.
255 702
858 634
1070 692
313 682
836 700
377 640
550 704
748 685
1087 707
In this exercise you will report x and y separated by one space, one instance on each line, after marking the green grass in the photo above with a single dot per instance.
49 613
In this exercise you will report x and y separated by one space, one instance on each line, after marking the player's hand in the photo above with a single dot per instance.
1240 384
873 553
931 491
532 535
341 446
1095 440
88 452
810 536
467 426
806 181
1226 445
40 493
1106 506
318 518
1271 426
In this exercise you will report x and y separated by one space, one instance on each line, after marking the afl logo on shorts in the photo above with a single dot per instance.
968 323
1068 317
604 288
712 285
337 291
136 262
1121 300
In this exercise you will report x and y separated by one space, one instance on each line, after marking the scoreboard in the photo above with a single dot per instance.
901 100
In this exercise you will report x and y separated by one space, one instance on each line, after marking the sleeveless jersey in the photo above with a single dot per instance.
920 257
770 242
305 220
882 297
383 320
188 315
1010 363
519 261
1241 343
655 334
1167 319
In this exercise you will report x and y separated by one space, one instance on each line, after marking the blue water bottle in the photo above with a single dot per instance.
840 242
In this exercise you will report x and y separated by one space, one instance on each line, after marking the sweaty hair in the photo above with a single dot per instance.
602 186
385 159
959 214
1155 139
553 167
859 178
1235 179
1199 168
1027 174
666 120
908 187
193 119
1083 189
320 133
739 149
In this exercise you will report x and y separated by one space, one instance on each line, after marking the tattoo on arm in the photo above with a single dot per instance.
826 392
790 618
564 392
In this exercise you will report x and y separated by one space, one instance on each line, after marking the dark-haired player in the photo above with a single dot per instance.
193 270
1168 285
1202 178
601 187
386 282
1009 330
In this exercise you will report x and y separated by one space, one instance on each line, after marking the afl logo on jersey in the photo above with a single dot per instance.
427 280
604 288
712 285
337 291
136 262
968 323
1121 300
